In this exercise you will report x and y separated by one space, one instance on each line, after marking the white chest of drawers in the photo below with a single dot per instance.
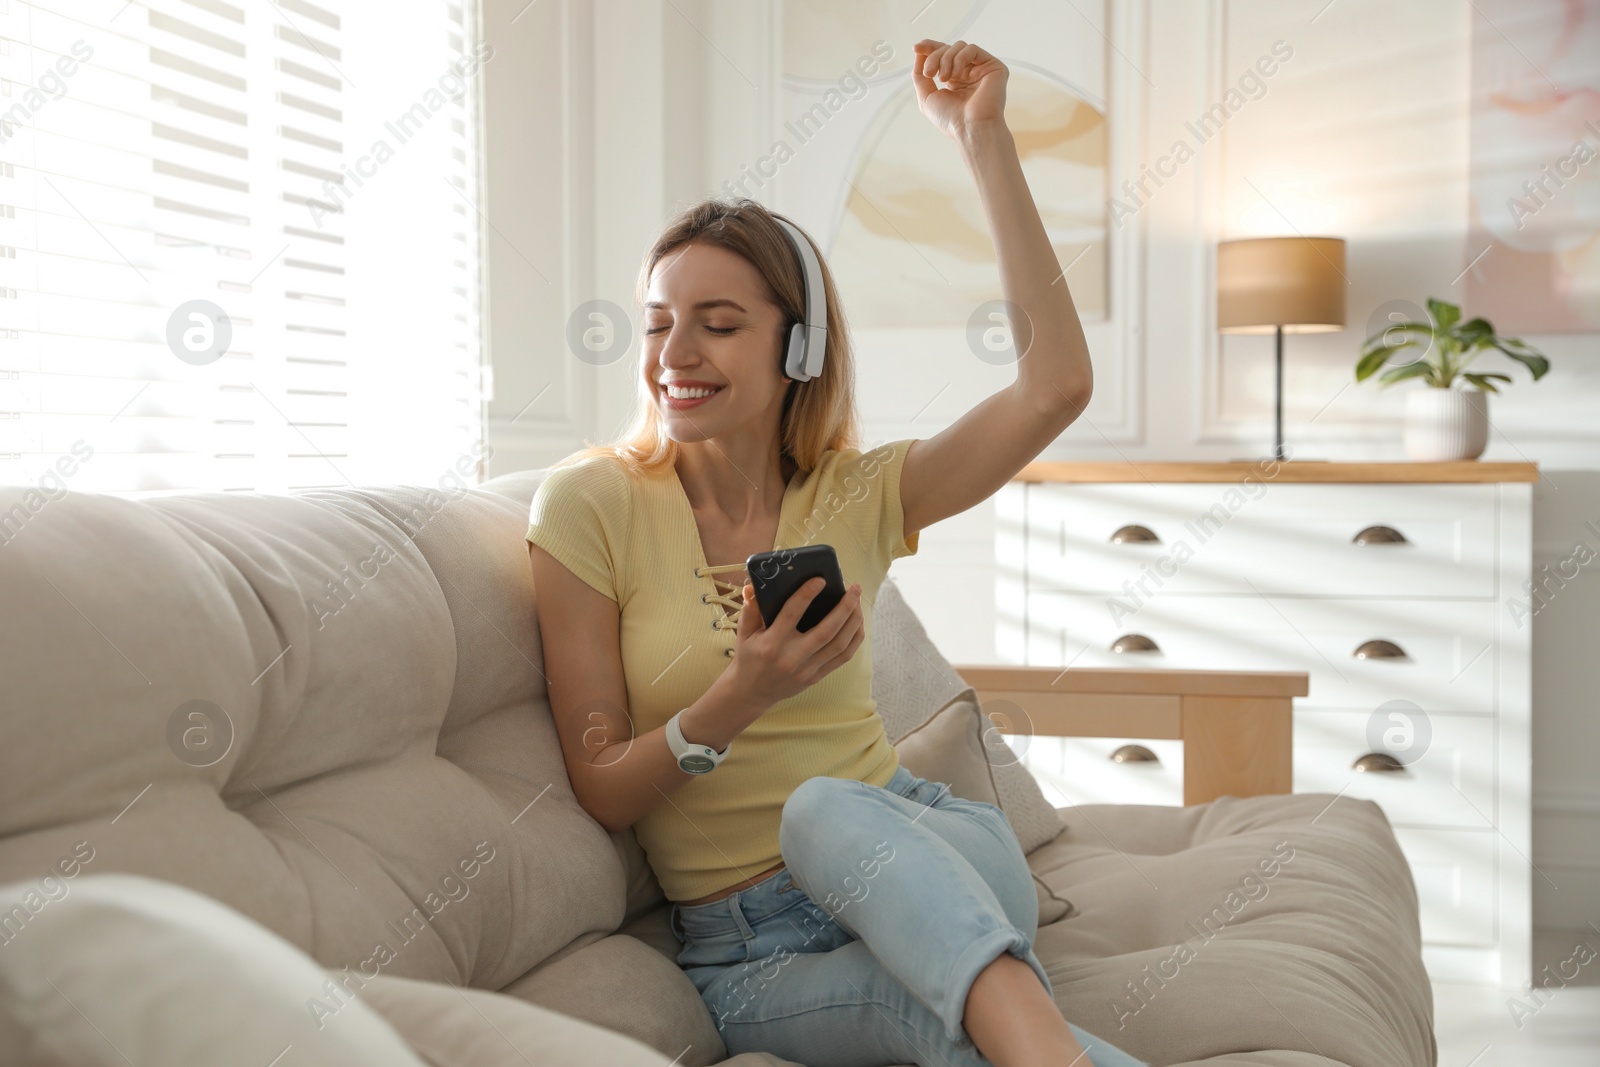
1399 588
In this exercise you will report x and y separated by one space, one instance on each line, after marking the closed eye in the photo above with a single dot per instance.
720 331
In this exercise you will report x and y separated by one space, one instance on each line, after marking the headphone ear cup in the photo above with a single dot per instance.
793 361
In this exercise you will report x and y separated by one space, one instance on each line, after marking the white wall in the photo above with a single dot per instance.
604 117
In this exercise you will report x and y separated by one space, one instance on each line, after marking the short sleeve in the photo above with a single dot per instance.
581 515
870 482
894 517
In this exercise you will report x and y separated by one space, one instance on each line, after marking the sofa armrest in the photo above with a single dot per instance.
1237 727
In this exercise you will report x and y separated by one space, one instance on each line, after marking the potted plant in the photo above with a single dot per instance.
1446 421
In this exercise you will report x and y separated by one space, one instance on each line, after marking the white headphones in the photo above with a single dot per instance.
808 340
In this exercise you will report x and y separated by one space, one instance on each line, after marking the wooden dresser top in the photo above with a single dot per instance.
1287 471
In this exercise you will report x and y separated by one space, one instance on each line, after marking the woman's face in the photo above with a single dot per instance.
709 322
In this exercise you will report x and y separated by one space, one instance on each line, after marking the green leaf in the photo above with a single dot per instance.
1377 357
1410 370
1482 381
1475 334
1444 313
1392 336
1526 355
1369 363
1381 346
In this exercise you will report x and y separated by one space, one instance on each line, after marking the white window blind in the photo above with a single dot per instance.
296 177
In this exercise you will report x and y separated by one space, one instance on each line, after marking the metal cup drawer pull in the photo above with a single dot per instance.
1134 643
1377 762
1134 754
1135 535
1380 535
1378 648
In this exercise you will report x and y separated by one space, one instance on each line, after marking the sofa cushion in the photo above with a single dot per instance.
115 969
912 681
325 709
454 1027
623 984
643 888
1283 923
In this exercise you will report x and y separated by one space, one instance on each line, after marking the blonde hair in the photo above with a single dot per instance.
818 415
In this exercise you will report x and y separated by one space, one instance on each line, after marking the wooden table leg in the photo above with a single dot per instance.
1236 746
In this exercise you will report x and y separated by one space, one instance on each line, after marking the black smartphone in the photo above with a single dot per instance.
777 574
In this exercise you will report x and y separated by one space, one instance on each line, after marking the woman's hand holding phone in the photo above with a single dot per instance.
773 663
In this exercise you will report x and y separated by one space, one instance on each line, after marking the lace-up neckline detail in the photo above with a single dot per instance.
728 595
731 597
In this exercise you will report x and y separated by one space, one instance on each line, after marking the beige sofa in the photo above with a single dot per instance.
279 785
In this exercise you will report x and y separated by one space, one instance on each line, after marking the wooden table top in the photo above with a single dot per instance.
1269 470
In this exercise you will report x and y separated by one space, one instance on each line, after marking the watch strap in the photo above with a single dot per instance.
682 747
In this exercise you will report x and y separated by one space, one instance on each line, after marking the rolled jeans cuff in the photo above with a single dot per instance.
973 960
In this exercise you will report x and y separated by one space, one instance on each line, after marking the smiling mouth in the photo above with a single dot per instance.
706 395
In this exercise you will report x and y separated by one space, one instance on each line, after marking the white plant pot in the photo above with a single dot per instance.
1446 424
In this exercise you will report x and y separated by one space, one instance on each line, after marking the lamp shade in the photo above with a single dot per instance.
1294 282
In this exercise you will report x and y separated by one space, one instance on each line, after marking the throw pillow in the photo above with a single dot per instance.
128 969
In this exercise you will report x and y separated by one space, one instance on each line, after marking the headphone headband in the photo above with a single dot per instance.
808 340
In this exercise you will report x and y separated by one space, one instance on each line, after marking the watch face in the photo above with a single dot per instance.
697 764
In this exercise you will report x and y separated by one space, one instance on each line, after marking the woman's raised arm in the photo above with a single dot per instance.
969 461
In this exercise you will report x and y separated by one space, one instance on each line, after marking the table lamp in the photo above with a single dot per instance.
1280 285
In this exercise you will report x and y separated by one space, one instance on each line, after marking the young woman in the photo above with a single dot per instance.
831 907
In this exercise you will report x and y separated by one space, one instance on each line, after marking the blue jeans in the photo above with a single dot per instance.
909 893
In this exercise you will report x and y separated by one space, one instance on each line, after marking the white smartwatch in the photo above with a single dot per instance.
696 759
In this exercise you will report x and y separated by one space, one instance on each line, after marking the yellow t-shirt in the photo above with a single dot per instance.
634 539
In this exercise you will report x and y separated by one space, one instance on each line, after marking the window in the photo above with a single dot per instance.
239 243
